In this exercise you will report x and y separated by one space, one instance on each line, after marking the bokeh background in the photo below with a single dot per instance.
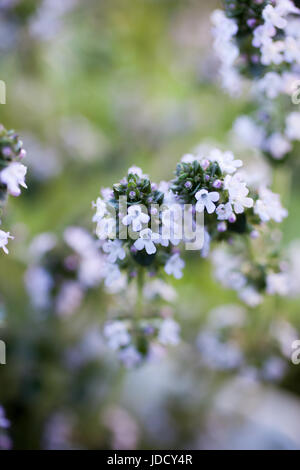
94 87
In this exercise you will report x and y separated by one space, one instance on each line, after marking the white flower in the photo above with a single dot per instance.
224 28
263 34
291 50
145 241
39 283
101 209
292 130
136 217
271 84
69 298
135 170
112 274
278 145
225 160
284 7
248 132
268 206
224 211
205 200
278 283
271 53
238 192
80 240
115 250
158 288
169 332
13 176
90 271
116 334
274 16
4 236
174 266
250 296
130 356
106 228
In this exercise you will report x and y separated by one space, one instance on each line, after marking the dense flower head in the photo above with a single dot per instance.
130 219
61 273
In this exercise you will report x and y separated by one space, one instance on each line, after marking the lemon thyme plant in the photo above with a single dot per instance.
260 41
131 220
12 172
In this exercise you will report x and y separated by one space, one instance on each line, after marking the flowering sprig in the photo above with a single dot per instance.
12 172
129 223
136 341
266 41
225 343
213 185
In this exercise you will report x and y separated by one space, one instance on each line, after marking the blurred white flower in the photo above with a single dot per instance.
278 145
225 160
278 283
268 206
69 298
4 236
116 334
238 193
174 266
39 283
292 129
169 332
129 356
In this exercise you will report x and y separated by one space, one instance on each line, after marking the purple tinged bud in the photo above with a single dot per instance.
251 22
188 185
207 177
217 184
132 194
150 199
133 249
153 186
232 218
222 227
205 164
